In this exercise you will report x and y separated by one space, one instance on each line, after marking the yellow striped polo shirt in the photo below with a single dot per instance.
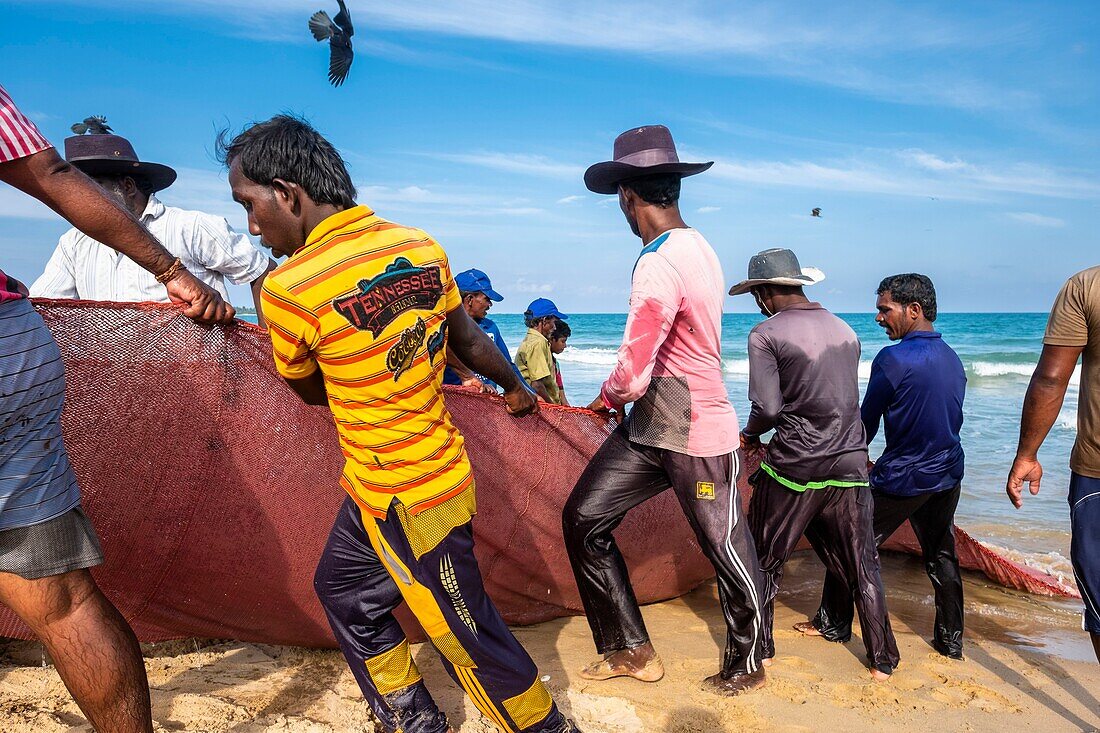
366 301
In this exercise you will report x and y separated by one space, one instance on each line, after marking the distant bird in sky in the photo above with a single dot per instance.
816 212
96 125
339 35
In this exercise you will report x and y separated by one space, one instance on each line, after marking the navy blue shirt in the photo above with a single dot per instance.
491 330
917 388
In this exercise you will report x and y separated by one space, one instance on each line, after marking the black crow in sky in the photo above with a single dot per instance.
816 212
338 33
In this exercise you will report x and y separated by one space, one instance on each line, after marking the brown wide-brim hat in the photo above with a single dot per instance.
113 155
643 151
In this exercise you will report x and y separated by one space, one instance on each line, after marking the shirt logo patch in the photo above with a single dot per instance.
401 287
704 490
401 354
436 342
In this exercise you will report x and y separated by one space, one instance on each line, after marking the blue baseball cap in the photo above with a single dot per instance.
476 281
542 307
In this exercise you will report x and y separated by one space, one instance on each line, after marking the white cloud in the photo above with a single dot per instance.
532 165
708 209
523 285
845 45
1038 220
914 173
569 199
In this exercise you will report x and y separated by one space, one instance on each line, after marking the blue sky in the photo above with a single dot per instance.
956 139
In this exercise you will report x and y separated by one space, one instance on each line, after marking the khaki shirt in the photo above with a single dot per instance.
535 362
1075 321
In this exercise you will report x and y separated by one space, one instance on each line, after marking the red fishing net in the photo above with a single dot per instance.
213 487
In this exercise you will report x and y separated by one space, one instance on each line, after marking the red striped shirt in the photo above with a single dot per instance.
19 137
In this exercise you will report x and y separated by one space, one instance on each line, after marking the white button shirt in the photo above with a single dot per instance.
83 268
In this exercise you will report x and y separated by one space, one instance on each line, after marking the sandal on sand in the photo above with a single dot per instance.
602 670
807 628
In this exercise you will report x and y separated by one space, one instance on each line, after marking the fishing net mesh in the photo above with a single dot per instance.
213 487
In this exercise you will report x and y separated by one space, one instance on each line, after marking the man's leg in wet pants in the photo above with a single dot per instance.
932 518
707 490
777 518
842 534
619 477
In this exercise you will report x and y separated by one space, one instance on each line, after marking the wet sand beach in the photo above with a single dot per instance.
1028 665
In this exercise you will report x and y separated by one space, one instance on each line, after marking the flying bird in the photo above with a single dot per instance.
338 33
816 212
96 125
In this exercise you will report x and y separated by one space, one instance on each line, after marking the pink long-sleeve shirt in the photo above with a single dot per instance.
670 361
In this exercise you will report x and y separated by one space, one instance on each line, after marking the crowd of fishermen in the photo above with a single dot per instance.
358 314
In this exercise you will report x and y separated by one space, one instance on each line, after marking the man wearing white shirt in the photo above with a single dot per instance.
81 267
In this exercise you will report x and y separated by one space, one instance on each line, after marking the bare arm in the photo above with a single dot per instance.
56 183
474 348
1042 403
257 288
311 389
541 388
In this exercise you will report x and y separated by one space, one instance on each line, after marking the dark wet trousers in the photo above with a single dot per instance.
837 522
622 475
932 517
367 569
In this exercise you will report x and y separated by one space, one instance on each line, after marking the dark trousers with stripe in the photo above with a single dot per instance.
837 522
622 475
932 517
367 569
1084 551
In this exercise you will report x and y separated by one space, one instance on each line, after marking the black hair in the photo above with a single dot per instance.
532 322
143 183
909 288
288 147
661 189
561 331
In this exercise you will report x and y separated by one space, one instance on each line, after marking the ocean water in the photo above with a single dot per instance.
999 351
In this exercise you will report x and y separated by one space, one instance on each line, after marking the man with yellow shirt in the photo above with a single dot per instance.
361 315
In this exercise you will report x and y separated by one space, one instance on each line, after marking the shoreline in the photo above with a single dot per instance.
1027 663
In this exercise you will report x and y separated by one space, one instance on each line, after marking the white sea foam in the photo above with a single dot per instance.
986 371
995 369
1054 564
598 355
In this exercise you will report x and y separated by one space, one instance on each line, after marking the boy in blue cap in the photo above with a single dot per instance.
533 358
478 297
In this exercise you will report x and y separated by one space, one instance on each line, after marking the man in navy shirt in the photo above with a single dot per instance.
917 388
478 297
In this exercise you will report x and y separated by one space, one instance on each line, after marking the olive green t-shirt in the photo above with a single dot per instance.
534 361
1075 321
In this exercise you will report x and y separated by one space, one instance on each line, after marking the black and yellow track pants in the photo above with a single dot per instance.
368 567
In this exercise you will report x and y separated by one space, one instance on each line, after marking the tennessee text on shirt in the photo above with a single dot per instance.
380 300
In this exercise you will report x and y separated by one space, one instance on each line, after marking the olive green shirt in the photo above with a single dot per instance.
535 363
1075 321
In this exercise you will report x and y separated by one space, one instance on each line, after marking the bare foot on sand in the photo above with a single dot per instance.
736 685
878 675
768 662
641 663
807 628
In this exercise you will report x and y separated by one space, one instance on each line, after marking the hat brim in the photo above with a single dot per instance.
809 276
159 176
605 177
493 295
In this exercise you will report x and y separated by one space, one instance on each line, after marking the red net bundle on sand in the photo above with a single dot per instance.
213 487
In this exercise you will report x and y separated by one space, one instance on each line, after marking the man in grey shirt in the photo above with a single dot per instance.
803 383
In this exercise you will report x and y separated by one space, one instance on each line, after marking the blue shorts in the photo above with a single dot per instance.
1084 551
